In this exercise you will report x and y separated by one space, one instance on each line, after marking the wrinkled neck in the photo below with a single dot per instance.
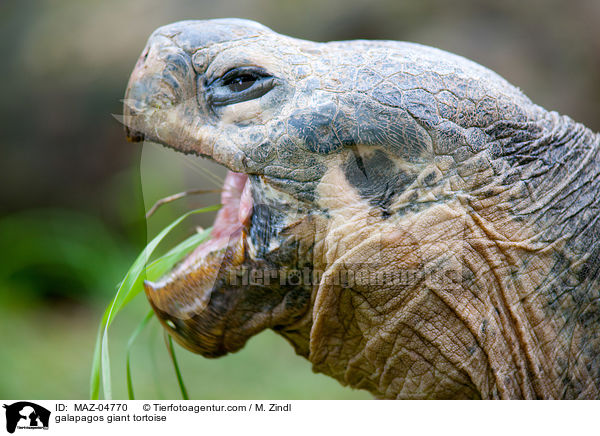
550 177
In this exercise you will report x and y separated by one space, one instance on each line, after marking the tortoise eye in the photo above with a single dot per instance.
239 84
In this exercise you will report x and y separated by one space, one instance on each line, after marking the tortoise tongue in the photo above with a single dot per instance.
245 211
185 291
228 217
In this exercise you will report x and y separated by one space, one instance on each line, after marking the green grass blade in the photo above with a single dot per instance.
130 343
182 387
95 376
105 369
131 286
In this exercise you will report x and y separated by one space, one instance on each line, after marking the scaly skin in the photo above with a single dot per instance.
445 227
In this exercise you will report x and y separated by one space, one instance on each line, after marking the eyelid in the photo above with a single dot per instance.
217 94
258 89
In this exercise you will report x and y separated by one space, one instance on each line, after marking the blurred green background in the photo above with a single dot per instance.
73 191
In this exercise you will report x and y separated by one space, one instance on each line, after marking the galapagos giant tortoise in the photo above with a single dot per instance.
409 221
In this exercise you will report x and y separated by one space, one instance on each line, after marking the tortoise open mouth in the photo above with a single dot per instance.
186 291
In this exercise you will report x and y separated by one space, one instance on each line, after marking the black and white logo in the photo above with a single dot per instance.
26 415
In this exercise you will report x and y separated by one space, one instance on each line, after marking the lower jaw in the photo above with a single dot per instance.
213 309
193 305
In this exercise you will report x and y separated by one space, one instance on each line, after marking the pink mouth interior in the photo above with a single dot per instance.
235 214
236 199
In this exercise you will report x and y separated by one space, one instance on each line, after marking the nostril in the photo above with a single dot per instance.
144 56
142 59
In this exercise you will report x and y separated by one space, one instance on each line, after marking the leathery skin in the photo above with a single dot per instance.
412 223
